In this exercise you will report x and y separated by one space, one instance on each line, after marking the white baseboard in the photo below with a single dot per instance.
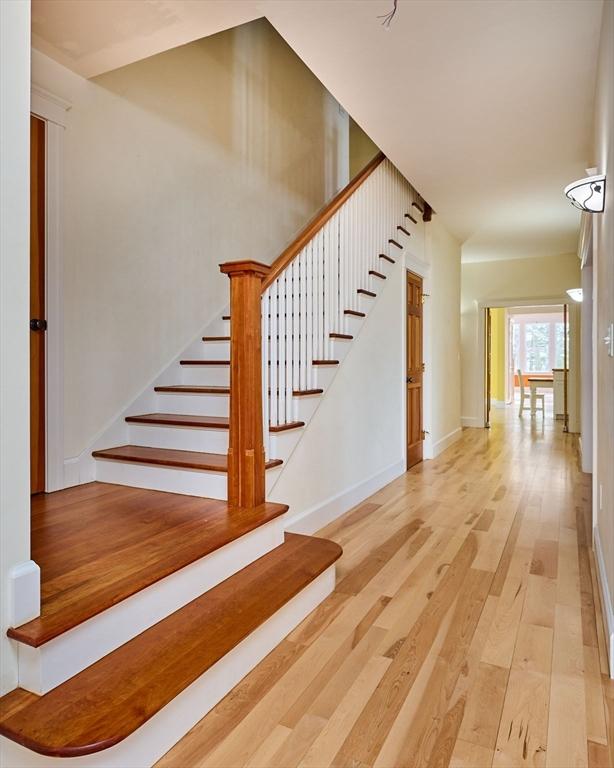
153 739
446 441
322 514
472 421
606 598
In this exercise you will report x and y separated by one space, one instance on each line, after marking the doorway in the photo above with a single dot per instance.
38 323
414 369
527 362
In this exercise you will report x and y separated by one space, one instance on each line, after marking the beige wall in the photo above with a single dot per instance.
15 310
603 296
535 278
217 150
362 149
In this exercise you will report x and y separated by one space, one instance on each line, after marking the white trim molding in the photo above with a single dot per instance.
446 441
53 110
606 598
24 593
311 520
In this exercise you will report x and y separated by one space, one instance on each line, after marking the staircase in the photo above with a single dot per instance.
313 302
167 578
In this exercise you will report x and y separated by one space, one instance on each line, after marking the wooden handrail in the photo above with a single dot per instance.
316 224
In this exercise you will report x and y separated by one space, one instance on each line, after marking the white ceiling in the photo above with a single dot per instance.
485 105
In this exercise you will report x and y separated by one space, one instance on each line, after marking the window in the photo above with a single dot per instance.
538 342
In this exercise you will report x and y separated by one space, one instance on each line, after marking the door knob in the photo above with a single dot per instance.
38 325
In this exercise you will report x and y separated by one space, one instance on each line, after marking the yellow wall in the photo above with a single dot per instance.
497 358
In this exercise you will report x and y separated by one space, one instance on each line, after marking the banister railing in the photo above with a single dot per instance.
319 220
283 316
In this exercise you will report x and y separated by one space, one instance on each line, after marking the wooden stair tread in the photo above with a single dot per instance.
203 422
306 392
97 544
365 292
284 427
216 338
387 258
346 336
181 420
171 457
191 389
354 313
108 701
375 273
204 362
325 362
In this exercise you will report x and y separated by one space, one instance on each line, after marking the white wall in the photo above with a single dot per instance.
586 420
356 440
514 279
603 296
14 311
443 253
218 150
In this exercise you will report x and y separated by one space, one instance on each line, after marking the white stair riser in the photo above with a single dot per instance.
180 438
213 485
162 478
202 375
202 405
144 747
41 669
208 350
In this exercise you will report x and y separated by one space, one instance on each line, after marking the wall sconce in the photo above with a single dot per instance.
575 294
587 194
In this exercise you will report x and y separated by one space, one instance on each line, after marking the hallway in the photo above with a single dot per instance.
465 628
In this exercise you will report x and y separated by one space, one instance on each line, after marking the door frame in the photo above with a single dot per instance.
481 307
421 268
53 111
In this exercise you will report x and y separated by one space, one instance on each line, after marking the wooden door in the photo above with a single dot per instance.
488 381
415 370
37 305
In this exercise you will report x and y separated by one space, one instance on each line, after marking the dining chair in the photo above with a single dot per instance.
524 395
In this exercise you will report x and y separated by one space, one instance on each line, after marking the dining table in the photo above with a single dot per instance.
538 382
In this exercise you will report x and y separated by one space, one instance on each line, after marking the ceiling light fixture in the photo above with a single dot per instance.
575 294
587 194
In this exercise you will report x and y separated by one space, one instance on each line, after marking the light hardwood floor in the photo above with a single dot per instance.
465 627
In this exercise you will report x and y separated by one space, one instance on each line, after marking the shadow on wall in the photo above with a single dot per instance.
257 113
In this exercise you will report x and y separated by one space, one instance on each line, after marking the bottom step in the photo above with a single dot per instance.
133 705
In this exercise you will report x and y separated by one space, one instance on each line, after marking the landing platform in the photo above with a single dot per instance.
99 543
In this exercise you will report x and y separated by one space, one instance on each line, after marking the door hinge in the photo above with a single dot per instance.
425 296
425 433
423 367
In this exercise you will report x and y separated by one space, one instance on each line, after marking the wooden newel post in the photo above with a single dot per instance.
246 482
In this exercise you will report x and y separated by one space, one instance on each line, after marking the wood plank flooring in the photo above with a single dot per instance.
463 630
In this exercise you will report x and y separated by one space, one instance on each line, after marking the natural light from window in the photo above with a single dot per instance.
538 342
